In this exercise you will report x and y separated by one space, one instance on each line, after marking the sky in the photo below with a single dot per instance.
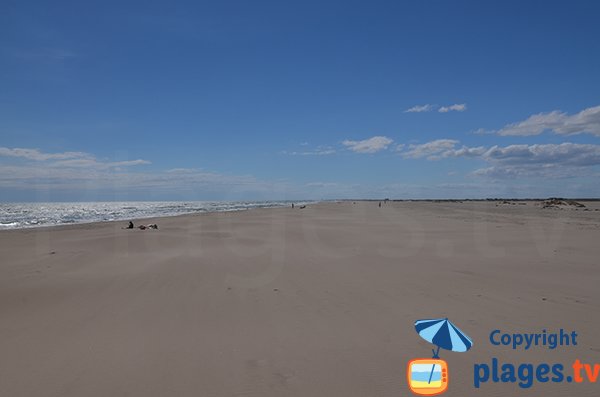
255 100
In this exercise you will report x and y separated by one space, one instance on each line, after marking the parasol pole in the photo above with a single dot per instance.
435 355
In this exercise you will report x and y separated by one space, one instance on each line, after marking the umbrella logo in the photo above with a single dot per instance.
429 377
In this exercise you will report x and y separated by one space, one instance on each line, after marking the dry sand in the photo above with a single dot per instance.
280 302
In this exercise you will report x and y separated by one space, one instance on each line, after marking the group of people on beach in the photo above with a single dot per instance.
142 227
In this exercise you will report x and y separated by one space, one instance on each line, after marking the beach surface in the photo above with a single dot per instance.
319 301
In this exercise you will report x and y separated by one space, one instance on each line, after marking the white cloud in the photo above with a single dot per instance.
456 107
570 154
93 163
35 154
567 153
483 131
465 151
66 159
91 178
547 171
316 152
586 121
539 160
371 145
535 124
128 163
419 109
429 149
38 177
543 160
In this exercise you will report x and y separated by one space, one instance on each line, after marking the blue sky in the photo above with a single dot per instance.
266 100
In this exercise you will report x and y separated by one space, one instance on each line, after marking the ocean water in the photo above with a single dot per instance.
24 215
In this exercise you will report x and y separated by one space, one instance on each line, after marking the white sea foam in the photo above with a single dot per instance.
24 215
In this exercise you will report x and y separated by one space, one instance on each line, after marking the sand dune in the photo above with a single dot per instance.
279 302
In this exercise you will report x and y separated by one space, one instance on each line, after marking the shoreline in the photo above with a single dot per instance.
144 218
153 219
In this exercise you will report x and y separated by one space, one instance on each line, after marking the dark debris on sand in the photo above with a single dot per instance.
560 203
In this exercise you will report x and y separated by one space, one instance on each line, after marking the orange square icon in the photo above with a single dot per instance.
427 376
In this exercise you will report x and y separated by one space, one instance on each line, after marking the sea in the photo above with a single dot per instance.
26 215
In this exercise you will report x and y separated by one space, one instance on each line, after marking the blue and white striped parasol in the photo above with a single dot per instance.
442 333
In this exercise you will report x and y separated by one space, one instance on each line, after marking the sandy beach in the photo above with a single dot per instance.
318 301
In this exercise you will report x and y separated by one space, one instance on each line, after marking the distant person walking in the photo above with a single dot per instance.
380 204
292 205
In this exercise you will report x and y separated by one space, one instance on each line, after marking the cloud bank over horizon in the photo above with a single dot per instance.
486 168
35 170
